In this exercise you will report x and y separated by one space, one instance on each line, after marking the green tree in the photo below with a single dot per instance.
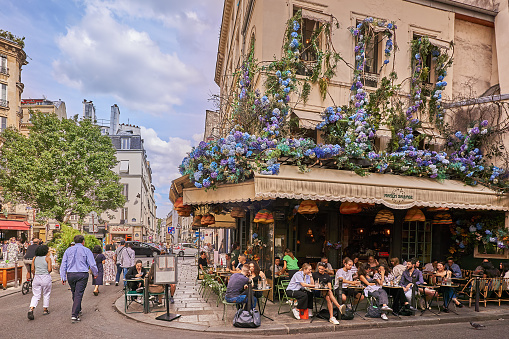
63 167
66 236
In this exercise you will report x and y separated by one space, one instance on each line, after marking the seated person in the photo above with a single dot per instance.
397 269
229 262
153 288
447 291
242 262
278 269
324 279
256 276
346 275
408 277
137 272
373 265
328 267
374 288
384 275
355 265
290 263
297 289
430 267
236 291
202 261
479 270
504 270
454 268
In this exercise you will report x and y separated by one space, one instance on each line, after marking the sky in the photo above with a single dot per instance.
155 59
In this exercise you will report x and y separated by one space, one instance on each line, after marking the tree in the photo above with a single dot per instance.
63 167
66 236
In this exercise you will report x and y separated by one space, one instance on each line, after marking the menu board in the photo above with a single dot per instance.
165 269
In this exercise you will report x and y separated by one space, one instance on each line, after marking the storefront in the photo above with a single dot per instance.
117 233
14 228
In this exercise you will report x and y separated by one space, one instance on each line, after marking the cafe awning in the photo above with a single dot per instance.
14 225
393 191
224 193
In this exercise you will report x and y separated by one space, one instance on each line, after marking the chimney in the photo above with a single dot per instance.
114 119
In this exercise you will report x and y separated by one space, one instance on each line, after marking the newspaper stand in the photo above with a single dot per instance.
165 273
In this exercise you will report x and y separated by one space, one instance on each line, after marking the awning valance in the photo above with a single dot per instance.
225 193
393 191
14 225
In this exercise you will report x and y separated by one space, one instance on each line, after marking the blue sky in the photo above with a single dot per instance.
155 59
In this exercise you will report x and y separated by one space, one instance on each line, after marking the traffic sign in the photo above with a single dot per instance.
171 230
197 234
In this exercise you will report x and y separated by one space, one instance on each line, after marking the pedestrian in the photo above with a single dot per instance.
109 265
12 251
118 251
99 261
76 262
4 250
41 269
127 258
29 255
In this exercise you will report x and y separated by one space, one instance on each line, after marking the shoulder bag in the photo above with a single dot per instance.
247 317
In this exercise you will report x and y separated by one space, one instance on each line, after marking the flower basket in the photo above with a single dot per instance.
262 216
237 212
442 219
208 219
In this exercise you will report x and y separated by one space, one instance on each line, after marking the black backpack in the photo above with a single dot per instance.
406 311
348 314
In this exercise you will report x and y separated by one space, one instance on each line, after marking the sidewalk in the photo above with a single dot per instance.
199 315
10 286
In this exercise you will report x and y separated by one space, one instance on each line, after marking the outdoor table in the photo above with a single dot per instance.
360 289
447 305
260 308
392 287
435 296
225 276
317 311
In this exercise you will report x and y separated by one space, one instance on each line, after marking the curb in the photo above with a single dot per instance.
285 329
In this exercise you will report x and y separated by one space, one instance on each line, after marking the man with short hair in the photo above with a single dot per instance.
413 276
328 267
76 262
127 259
237 284
29 255
116 257
321 277
242 260
454 268
431 267
346 275
202 261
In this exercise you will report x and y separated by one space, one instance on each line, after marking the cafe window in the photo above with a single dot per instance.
416 241
308 54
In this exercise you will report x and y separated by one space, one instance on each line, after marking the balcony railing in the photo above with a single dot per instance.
4 70
4 103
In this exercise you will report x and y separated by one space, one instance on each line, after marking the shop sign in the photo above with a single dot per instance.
399 196
120 229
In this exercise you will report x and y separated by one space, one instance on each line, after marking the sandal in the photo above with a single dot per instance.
45 312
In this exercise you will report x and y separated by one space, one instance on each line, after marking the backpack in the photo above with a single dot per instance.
405 311
348 314
247 316
373 312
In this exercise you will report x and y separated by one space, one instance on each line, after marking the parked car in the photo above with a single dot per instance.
185 249
144 249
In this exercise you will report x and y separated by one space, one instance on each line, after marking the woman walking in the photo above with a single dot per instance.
109 265
99 260
41 285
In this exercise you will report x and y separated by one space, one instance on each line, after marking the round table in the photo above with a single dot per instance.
260 308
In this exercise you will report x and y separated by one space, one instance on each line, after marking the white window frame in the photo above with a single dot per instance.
125 143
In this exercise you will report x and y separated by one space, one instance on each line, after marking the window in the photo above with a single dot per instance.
125 143
123 215
3 95
371 66
124 166
427 63
308 54
125 191
3 124
3 65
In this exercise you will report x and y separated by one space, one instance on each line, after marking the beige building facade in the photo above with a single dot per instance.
42 105
479 30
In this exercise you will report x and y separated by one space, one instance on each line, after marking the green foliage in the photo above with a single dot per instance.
63 167
9 36
66 236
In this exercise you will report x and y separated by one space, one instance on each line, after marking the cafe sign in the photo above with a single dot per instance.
120 230
399 197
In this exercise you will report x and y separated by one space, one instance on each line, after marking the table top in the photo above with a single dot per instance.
390 286
355 287
319 288
437 286
268 288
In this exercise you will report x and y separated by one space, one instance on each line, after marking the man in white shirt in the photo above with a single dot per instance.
345 274
127 259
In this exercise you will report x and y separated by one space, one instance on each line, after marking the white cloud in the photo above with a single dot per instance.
104 57
165 156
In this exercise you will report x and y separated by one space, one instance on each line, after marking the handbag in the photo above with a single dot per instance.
373 312
247 317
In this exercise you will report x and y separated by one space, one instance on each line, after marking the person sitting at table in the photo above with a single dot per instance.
479 270
298 288
430 267
256 276
374 288
489 271
447 291
328 267
504 270
242 261
324 280
408 278
228 259
236 291
397 269
137 272
373 265
346 274
278 270
399 301
202 261
355 267
451 266
290 263
417 264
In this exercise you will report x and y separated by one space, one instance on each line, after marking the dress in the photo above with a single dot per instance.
109 267
99 257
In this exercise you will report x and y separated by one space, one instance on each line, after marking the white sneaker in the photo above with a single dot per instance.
386 308
107 284
334 321
384 316
296 313
310 312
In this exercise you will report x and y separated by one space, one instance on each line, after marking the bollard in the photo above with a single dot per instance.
15 273
340 290
477 294
146 305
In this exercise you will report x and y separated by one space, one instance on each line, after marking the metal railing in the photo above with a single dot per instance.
4 103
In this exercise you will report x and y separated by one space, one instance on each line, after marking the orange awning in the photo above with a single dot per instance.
14 225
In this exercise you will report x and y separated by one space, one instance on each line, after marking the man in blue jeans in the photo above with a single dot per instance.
118 251
76 262
236 285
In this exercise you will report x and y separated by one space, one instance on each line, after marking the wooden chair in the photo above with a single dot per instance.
489 290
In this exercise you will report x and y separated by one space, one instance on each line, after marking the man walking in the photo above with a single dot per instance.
29 255
127 259
76 262
118 251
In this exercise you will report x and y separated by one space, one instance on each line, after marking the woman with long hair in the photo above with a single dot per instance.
297 289
290 263
99 260
256 277
374 288
447 291
109 265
